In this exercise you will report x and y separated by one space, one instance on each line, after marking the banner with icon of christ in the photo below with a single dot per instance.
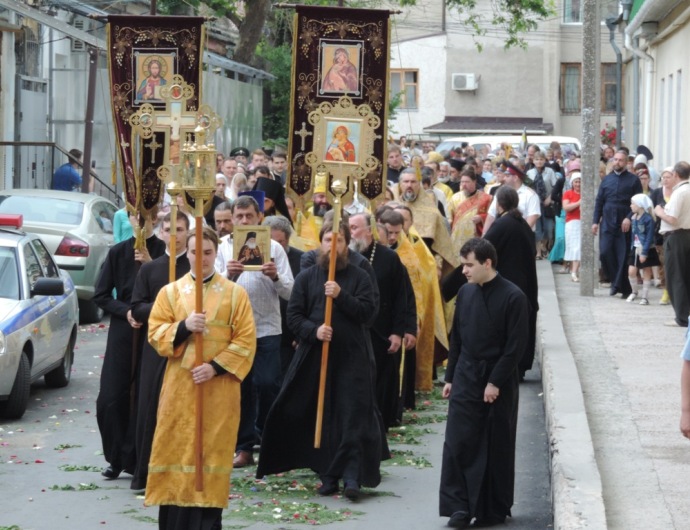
145 56
339 97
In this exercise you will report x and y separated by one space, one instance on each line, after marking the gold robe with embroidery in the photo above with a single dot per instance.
421 267
230 341
462 210
430 224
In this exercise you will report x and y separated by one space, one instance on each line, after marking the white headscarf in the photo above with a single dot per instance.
642 201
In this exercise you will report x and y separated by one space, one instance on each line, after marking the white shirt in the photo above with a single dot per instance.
528 204
678 206
263 292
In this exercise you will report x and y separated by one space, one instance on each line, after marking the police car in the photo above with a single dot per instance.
38 317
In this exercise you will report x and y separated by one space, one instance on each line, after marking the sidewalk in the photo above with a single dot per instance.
615 374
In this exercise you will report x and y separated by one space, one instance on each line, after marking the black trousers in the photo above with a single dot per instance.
677 268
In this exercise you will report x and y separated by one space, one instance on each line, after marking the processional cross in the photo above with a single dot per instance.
172 122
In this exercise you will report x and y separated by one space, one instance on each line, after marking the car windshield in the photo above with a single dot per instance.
43 209
9 273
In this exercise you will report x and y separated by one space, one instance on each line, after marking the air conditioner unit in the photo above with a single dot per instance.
464 81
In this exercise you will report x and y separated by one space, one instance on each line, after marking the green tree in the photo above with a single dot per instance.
253 21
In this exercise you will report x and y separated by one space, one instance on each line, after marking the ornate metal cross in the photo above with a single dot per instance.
303 133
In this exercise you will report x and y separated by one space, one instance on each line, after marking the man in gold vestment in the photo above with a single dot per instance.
229 344
429 223
421 267
468 210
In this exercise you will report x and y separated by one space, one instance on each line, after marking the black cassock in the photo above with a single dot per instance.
116 400
488 336
397 316
514 242
353 441
152 277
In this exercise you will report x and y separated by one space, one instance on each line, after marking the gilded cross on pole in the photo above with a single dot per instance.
303 133
173 121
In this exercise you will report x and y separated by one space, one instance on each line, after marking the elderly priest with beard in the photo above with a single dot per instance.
489 334
353 441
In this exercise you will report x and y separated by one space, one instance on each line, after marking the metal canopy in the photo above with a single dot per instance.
52 22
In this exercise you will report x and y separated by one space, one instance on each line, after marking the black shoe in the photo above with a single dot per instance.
459 520
329 486
111 473
351 490
614 292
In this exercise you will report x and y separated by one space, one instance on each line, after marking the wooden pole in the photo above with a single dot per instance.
339 187
199 345
173 240
402 366
326 344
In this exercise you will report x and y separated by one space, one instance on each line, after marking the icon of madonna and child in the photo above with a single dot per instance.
344 137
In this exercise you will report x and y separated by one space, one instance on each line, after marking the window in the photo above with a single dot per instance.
33 267
104 212
608 88
404 83
51 271
572 10
571 84
571 88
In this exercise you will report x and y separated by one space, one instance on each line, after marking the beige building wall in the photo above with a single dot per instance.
513 83
670 103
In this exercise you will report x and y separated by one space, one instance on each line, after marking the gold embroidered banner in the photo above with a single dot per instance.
339 98
145 54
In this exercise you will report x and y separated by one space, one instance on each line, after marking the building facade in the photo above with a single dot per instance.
450 88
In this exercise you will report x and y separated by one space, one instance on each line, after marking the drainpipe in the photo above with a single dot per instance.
612 23
633 45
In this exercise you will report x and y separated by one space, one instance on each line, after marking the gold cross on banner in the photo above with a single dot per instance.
174 121
153 145
303 133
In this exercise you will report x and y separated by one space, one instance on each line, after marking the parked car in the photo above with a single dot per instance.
485 145
77 229
39 315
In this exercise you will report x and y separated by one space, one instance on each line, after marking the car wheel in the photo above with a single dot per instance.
89 312
59 377
15 406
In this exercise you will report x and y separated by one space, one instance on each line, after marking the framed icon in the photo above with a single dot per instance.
152 71
251 246
343 140
340 68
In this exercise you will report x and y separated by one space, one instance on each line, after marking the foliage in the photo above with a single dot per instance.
515 17
277 110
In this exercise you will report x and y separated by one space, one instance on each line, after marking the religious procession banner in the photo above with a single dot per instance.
339 100
155 76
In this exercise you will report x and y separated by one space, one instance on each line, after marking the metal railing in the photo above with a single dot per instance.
34 163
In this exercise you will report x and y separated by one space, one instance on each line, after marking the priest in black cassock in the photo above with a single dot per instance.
353 441
115 405
397 318
152 277
488 337
514 242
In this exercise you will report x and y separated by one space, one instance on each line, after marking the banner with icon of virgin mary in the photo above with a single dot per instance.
145 54
339 100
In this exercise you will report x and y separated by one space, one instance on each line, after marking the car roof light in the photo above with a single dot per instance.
11 220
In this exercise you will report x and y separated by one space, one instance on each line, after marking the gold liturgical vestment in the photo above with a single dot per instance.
430 224
230 341
421 267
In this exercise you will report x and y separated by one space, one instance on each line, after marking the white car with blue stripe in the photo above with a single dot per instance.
39 317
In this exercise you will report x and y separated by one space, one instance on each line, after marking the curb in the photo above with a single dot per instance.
576 490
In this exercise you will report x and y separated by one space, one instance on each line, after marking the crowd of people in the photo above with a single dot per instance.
432 271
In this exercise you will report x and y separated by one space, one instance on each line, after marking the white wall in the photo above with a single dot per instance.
428 55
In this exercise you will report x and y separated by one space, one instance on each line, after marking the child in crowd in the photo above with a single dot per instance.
643 255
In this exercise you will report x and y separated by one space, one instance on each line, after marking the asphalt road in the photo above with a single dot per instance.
50 464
